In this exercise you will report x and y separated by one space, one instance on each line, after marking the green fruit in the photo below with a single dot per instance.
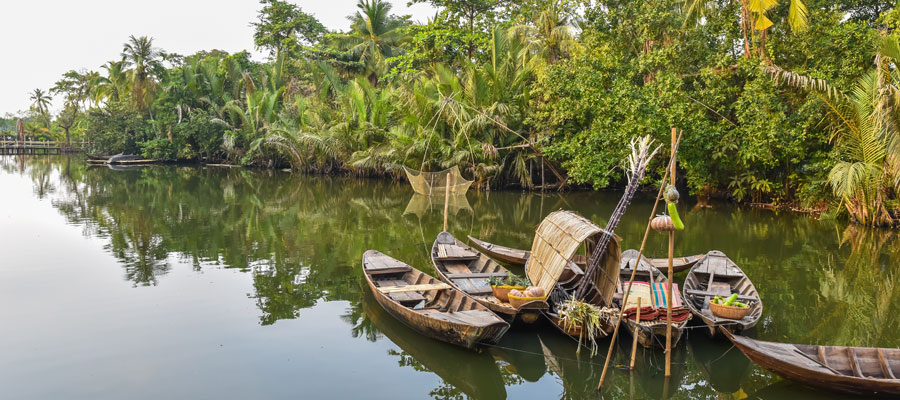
731 299
673 213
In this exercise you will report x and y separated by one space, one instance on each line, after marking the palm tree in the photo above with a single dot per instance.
550 35
374 36
144 59
40 101
866 176
112 86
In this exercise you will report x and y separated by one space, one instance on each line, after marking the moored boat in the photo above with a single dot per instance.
866 371
434 309
468 270
515 256
649 286
717 275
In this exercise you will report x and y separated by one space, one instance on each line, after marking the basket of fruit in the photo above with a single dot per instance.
517 298
501 286
729 308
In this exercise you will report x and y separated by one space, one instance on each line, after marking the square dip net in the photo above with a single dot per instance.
436 183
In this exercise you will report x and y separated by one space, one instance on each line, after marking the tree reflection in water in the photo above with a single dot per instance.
300 238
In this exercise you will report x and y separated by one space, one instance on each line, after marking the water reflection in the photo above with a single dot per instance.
299 239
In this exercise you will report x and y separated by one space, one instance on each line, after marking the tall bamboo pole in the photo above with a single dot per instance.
446 201
669 285
612 341
637 328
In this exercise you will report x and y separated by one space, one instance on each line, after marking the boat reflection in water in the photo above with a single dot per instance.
520 351
722 365
470 372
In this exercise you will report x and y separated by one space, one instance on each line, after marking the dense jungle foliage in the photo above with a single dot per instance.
787 102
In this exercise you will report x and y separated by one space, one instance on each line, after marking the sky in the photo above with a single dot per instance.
42 39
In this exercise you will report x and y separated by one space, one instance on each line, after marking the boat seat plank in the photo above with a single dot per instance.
454 252
854 362
476 275
885 368
402 297
385 271
720 288
457 268
712 294
414 288
469 287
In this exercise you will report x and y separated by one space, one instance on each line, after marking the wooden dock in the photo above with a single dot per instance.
36 147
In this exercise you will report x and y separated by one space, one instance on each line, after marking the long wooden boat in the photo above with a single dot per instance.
651 333
717 275
433 308
863 371
467 270
520 257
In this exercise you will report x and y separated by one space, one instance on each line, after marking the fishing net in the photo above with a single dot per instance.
435 183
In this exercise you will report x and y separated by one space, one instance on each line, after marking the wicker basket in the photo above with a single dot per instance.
502 292
730 312
517 301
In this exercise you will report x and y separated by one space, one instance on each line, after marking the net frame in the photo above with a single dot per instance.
435 183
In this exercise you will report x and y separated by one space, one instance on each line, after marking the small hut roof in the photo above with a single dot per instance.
557 239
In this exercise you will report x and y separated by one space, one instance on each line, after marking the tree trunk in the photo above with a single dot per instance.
745 24
68 142
170 134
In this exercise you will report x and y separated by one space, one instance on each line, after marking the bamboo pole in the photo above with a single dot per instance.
669 285
446 201
612 341
637 328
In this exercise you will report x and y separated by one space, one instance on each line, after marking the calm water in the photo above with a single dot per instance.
191 282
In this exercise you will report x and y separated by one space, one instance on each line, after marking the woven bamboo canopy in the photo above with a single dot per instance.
556 241
435 183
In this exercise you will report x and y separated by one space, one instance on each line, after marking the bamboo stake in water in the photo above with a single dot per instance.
446 202
612 341
669 284
637 328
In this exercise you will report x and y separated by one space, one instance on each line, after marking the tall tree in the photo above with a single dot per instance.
67 118
754 17
145 61
549 33
475 17
283 26
40 102
374 35
76 86
112 86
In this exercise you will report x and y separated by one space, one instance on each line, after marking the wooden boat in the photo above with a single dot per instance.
467 270
514 256
717 275
433 308
651 333
863 371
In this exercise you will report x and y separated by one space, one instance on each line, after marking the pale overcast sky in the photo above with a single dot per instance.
42 39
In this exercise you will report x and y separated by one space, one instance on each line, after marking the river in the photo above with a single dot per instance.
210 282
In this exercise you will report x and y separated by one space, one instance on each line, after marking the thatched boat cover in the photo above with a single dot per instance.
435 183
557 239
